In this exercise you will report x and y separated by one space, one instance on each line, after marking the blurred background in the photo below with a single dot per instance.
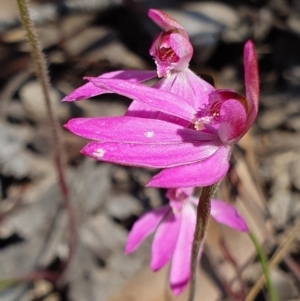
90 37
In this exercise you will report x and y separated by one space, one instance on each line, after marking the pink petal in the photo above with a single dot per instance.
192 89
251 81
233 114
142 110
181 260
153 155
226 214
183 49
160 100
178 196
194 200
185 84
203 173
234 127
144 226
199 89
139 109
89 90
135 130
155 44
188 191
164 241
164 21
180 52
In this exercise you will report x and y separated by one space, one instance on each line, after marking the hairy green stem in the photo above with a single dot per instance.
42 74
203 213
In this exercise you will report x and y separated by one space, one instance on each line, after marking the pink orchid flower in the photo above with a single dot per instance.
172 48
174 226
193 156
172 52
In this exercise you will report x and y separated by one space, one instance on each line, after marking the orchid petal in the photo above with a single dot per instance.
153 155
185 84
164 241
135 130
171 51
234 121
139 109
199 88
183 49
161 100
251 81
188 191
181 260
142 110
233 114
89 90
226 214
144 226
194 200
192 89
155 44
178 196
204 173
164 21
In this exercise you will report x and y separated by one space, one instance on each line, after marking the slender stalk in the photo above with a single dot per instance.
281 252
42 74
203 213
264 263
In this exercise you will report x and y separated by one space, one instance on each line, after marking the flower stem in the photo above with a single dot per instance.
264 263
203 213
42 74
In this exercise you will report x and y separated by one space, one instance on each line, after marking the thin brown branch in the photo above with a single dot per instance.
42 74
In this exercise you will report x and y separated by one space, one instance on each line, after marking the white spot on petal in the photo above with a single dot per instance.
149 134
99 153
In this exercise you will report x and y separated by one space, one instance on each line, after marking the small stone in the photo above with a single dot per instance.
32 99
293 22
142 176
293 123
120 175
279 206
91 183
123 206
14 111
264 24
294 171
292 75
283 285
155 197
15 35
271 119
84 39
